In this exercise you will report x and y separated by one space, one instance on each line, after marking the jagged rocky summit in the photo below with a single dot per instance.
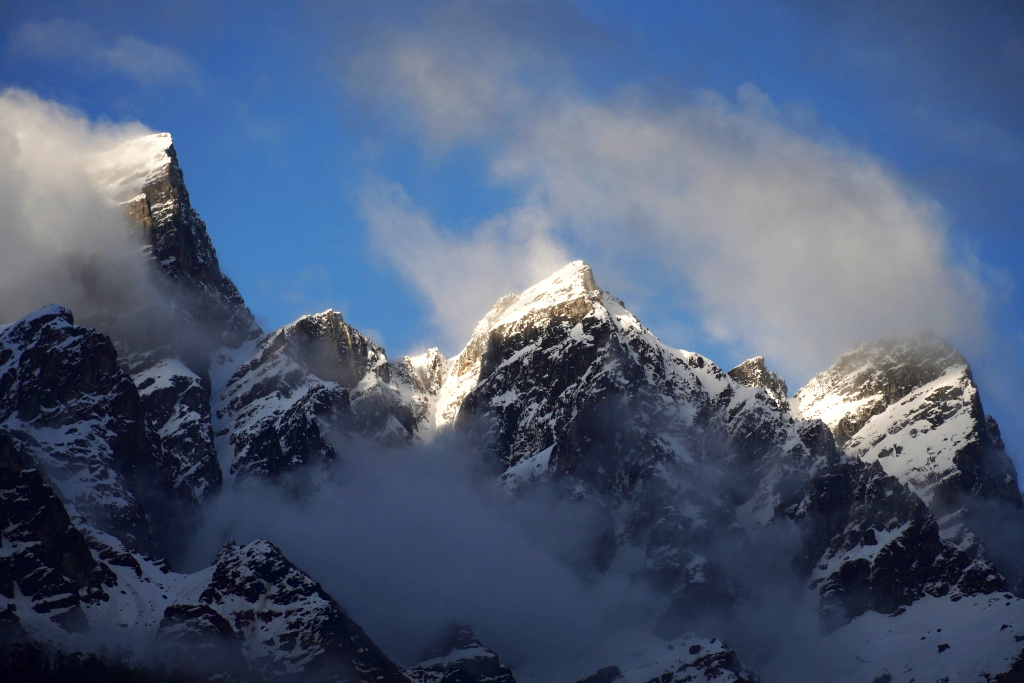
314 377
868 490
458 656
145 176
911 404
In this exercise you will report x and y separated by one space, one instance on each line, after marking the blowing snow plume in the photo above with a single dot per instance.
66 239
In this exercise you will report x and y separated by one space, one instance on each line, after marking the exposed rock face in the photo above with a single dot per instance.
304 380
683 660
166 345
80 418
177 405
882 548
563 379
257 603
145 175
458 656
753 373
911 404
43 557
251 616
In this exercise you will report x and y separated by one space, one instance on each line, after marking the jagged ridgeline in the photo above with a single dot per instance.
872 502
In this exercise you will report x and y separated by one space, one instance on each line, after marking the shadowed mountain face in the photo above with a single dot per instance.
865 501
153 190
911 404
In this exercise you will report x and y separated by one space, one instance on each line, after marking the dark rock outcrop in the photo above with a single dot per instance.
80 418
458 656
882 548
305 381
158 201
753 373
289 627
42 555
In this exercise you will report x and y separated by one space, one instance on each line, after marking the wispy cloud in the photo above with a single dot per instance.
460 276
786 243
64 240
77 43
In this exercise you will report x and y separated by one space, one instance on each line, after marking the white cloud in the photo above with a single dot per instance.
64 240
785 244
75 42
794 248
460 277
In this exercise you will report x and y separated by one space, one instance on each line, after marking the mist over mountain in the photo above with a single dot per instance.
186 496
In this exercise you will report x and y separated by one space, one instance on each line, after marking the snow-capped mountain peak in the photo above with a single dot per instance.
696 485
911 404
571 284
753 373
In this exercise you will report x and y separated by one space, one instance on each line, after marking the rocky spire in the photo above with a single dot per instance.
144 174
753 373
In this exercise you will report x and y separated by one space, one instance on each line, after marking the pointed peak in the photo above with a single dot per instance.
571 290
327 325
329 315
574 274
573 282
873 375
48 313
429 357
125 170
926 354
754 373
150 144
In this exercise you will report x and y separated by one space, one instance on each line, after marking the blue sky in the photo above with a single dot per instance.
782 179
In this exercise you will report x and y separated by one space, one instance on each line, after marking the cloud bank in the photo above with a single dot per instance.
408 541
64 240
780 239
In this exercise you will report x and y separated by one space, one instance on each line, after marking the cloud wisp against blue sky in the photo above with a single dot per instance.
783 179
66 42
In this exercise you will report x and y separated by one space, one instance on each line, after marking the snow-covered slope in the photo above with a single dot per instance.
911 404
686 659
418 380
303 382
68 404
458 656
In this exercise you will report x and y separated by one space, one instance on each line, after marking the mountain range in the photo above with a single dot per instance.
861 529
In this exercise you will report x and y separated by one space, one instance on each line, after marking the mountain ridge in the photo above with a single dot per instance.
695 471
